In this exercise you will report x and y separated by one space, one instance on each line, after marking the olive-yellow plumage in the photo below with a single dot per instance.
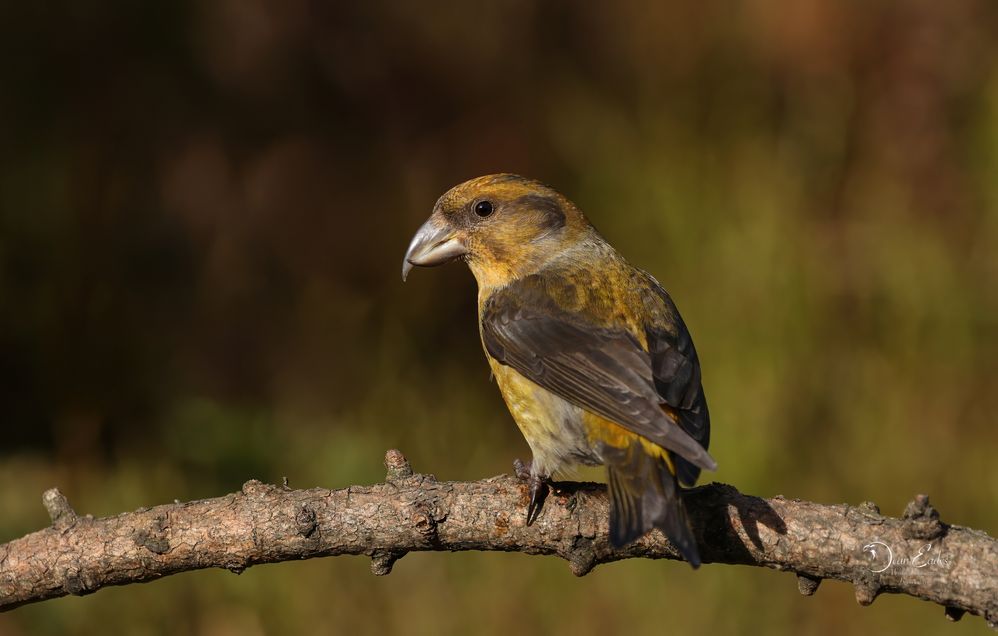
590 353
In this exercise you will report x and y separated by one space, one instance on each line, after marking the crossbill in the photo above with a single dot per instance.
589 352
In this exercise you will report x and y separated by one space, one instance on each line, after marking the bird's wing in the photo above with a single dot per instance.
676 372
603 370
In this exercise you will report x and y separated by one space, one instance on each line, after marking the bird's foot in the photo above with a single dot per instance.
538 488
521 470
538 492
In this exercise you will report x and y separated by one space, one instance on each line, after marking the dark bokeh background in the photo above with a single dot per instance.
203 209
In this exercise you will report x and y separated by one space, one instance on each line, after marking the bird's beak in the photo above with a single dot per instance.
434 244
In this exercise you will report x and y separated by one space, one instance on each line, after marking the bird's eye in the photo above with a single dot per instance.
483 208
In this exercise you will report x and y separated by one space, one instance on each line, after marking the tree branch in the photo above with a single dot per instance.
917 555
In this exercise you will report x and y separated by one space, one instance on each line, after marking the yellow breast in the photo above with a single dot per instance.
552 426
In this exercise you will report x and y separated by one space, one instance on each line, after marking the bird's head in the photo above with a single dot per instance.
504 226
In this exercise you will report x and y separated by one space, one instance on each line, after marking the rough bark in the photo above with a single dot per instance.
917 554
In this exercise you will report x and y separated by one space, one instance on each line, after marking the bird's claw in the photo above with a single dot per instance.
538 492
538 488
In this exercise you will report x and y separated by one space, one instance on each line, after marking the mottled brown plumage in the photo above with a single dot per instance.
590 353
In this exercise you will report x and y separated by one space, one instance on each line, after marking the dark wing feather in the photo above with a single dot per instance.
676 370
602 370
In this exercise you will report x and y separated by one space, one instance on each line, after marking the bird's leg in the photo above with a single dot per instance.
538 488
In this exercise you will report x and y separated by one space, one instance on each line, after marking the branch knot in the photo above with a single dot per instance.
154 537
306 521
397 465
62 514
921 520
382 561
807 585
867 591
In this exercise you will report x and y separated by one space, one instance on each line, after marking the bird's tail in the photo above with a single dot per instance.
644 494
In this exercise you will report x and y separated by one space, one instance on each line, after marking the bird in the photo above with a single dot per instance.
589 352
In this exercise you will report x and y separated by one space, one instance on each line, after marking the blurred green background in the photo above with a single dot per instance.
203 210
